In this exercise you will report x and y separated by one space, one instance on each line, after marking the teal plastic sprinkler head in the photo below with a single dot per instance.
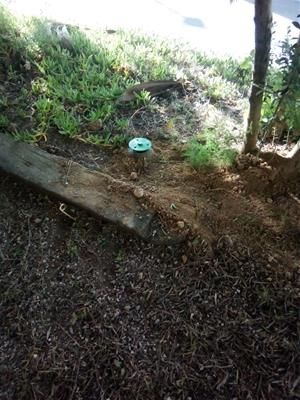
140 146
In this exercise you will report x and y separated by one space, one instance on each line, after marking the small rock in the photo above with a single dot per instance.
138 192
184 259
37 220
180 224
133 176
269 200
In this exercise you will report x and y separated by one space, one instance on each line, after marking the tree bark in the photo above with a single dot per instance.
291 169
263 34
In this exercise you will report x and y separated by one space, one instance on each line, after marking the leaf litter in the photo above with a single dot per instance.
88 312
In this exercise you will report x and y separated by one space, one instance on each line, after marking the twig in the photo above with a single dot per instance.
294 198
70 336
130 122
62 208
75 383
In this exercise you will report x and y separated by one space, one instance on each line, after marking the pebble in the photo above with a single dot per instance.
180 224
133 176
138 192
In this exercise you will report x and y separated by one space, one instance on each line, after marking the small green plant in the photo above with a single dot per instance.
208 153
21 113
122 124
72 249
26 136
44 107
143 98
102 113
119 140
94 139
3 101
4 121
67 123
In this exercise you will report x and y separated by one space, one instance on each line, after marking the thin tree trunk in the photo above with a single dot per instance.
263 34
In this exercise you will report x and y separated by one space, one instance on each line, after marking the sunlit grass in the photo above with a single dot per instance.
73 83
210 148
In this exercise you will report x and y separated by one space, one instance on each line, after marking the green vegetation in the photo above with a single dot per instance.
4 121
70 84
27 136
229 69
207 150
13 47
281 107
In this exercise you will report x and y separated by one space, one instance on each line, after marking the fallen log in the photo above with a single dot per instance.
96 192
155 88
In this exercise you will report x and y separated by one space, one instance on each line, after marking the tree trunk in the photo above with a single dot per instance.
291 169
263 25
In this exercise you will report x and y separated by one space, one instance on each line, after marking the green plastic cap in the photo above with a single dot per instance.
140 145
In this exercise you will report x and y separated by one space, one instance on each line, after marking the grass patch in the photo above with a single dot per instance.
207 151
13 46
4 121
27 136
70 83
229 69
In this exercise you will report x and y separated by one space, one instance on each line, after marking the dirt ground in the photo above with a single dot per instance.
90 312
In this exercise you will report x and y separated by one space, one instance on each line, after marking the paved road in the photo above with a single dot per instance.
211 25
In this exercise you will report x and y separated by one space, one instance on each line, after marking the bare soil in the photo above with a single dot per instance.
90 312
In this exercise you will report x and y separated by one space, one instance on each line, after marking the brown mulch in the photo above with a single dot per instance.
89 312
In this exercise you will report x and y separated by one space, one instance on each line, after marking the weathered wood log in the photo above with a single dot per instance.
155 88
96 192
